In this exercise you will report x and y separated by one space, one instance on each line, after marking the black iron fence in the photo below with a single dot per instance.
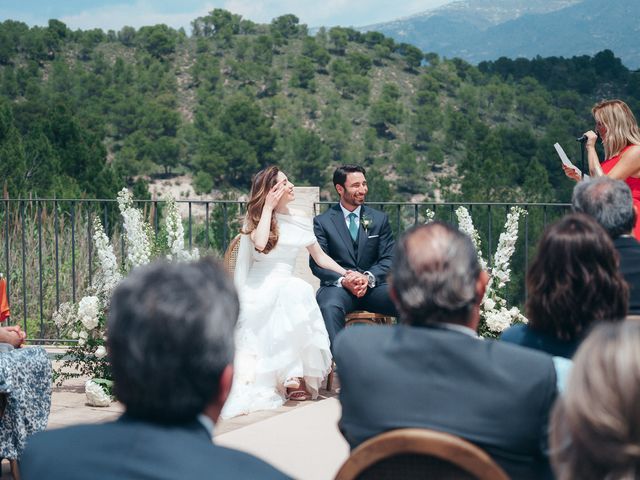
48 257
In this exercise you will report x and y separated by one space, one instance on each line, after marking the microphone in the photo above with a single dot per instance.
584 138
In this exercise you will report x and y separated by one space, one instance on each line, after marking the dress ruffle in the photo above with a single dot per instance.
280 334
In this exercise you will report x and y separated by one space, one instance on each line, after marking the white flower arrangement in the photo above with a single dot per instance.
88 312
86 320
108 274
175 234
136 239
495 315
96 395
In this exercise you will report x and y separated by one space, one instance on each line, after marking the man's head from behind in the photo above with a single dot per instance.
436 276
608 201
170 340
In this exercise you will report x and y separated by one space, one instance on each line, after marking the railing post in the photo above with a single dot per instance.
7 212
73 250
56 227
24 267
40 267
206 224
190 232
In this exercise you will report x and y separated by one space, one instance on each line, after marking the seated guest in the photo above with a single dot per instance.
573 282
11 337
170 343
432 371
25 393
594 426
610 203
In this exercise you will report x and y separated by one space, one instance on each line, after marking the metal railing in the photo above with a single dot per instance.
48 257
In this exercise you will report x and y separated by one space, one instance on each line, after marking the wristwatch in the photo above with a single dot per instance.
372 279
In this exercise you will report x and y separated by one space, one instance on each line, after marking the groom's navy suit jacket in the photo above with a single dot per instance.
130 448
373 250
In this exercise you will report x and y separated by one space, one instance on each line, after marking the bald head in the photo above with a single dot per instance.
435 273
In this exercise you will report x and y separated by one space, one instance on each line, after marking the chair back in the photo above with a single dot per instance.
231 255
415 453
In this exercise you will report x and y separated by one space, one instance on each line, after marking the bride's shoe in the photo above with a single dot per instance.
299 395
292 382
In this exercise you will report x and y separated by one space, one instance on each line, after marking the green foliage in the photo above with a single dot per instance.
285 27
340 39
85 112
305 157
303 73
386 112
202 183
412 55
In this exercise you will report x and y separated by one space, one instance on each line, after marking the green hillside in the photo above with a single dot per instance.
84 112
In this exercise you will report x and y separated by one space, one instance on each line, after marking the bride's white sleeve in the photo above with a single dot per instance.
244 259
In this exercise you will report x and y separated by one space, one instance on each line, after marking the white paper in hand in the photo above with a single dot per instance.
566 161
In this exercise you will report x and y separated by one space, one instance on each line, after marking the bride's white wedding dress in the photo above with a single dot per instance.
280 333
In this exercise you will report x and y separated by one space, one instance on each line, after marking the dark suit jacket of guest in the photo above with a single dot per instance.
629 251
495 395
525 336
372 251
134 449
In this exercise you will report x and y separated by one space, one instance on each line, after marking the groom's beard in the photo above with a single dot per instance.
354 200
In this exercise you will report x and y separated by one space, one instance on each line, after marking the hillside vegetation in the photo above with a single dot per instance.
84 112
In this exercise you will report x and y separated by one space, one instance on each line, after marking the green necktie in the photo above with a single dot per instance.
353 228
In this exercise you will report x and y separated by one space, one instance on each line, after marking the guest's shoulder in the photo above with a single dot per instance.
246 465
518 353
514 333
355 339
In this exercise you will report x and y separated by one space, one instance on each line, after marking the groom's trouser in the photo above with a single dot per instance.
336 302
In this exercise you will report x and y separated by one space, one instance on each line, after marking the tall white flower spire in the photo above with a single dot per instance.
136 238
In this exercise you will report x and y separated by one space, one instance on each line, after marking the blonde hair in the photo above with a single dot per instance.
595 425
621 125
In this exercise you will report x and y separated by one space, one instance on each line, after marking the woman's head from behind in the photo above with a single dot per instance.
616 125
574 280
595 427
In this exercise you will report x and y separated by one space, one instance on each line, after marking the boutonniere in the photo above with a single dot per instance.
366 222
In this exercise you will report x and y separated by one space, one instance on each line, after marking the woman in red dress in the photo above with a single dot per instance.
620 135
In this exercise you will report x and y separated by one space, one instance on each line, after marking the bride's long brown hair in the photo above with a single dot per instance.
262 182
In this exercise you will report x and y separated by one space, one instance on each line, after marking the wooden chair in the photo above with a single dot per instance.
414 453
360 317
231 255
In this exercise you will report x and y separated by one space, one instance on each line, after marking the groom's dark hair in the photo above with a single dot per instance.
340 174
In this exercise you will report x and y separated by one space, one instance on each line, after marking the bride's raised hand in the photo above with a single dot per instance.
274 195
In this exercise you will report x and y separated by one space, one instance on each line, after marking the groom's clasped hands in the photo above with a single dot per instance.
356 283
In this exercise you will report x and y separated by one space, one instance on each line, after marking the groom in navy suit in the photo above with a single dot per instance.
358 238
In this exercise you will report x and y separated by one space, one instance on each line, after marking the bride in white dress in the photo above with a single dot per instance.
282 346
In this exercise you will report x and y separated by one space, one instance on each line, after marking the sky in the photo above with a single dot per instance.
114 14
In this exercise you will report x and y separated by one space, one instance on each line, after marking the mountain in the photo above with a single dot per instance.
477 30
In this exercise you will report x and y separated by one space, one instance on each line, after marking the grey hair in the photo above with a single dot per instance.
170 335
434 275
608 201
